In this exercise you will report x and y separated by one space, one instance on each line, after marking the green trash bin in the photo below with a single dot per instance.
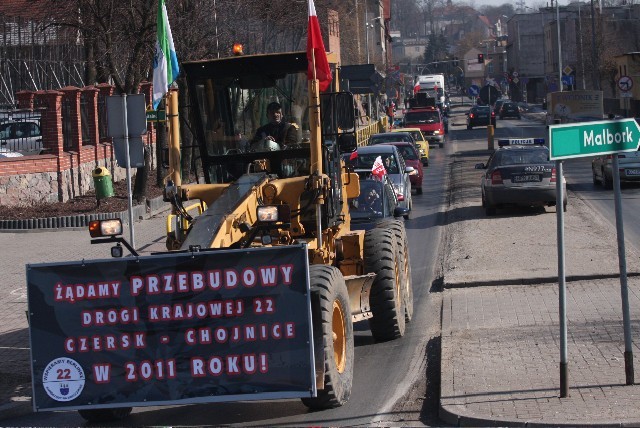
102 182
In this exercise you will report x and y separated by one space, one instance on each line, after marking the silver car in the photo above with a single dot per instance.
362 162
629 167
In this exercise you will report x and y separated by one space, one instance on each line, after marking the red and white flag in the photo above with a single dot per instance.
378 169
416 88
315 48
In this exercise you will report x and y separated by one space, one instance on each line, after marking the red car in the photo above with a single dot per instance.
411 158
430 122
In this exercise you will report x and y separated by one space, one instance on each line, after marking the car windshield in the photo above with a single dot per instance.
422 117
408 152
417 135
389 138
369 203
522 157
365 161
19 130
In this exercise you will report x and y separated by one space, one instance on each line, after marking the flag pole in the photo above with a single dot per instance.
316 145
314 119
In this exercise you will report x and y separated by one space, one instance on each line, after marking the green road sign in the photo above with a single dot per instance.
576 140
156 115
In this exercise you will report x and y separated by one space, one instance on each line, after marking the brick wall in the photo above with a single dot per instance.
64 171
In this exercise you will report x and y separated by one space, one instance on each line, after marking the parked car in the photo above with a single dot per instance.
377 201
412 159
429 121
519 173
509 109
421 143
390 137
362 161
480 116
21 136
628 165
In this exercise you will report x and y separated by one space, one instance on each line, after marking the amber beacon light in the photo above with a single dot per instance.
237 49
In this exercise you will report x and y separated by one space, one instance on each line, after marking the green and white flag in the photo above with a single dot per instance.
165 61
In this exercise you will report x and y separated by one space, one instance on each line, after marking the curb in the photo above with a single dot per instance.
151 207
460 420
535 280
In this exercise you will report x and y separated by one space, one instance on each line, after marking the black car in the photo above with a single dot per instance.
481 116
510 110
519 173
376 202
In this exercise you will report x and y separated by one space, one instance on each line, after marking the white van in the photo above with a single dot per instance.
427 83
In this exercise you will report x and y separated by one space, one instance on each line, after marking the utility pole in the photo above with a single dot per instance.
559 45
594 62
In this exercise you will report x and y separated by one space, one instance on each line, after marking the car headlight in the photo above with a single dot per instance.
436 132
422 151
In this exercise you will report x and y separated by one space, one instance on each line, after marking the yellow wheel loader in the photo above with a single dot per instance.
263 276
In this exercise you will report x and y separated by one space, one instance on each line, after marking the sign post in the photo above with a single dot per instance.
126 122
590 139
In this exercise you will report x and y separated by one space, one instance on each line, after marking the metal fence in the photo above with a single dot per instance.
67 144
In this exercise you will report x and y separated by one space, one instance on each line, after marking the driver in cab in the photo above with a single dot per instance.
277 133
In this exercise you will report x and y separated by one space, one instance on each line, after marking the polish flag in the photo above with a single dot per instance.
416 88
315 48
378 169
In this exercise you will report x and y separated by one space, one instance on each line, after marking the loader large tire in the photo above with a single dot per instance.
397 226
330 298
105 415
382 257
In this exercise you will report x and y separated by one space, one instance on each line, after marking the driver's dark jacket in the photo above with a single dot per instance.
282 132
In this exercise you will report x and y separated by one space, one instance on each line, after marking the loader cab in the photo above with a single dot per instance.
228 103
229 99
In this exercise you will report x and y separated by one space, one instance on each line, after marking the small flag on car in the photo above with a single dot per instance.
378 169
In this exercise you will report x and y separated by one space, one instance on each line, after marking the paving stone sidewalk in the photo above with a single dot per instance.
500 319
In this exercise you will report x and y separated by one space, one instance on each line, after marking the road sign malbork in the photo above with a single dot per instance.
593 138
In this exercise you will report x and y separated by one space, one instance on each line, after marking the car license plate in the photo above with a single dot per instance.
525 178
632 171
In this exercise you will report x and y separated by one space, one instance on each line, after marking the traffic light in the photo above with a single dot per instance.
480 58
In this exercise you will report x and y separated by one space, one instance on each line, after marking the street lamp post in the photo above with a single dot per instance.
559 45
594 64
368 25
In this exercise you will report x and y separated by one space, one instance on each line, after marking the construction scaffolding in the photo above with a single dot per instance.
35 56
